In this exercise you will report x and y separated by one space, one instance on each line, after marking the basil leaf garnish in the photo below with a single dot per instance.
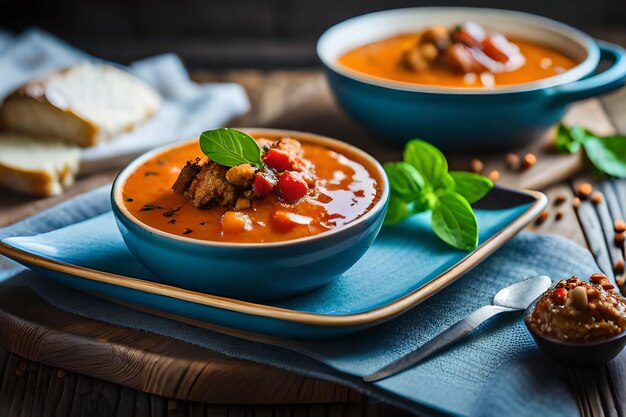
230 147
422 182
397 210
564 142
429 162
606 153
454 221
405 181
471 186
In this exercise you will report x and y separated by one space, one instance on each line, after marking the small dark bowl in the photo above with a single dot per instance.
576 354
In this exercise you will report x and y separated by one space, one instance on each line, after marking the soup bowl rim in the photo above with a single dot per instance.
120 209
582 69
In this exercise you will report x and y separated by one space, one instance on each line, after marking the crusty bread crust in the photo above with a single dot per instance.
19 112
36 167
84 105
36 183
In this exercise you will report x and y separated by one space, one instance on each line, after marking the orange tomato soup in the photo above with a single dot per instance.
381 59
345 190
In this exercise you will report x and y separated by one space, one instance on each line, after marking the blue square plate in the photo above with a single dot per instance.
406 264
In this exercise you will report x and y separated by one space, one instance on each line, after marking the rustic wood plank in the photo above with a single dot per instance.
147 362
40 391
9 382
567 226
615 107
30 387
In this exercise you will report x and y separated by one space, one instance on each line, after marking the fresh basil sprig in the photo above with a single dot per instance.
606 153
230 147
422 182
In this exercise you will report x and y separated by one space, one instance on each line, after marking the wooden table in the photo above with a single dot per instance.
54 363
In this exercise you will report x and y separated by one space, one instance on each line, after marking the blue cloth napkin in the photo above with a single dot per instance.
496 371
187 108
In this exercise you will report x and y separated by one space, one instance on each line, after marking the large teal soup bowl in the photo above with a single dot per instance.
466 118
254 272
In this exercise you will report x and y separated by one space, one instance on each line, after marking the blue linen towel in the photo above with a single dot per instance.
187 108
496 371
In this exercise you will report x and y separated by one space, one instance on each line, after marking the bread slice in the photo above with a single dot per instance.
84 105
35 166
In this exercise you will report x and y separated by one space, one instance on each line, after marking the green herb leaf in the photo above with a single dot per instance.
429 162
230 147
565 142
608 154
397 210
471 186
404 180
454 221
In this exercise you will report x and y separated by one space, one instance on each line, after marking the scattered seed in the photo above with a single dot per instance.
494 175
161 161
618 268
476 165
61 374
543 216
149 207
512 160
187 231
171 212
597 278
202 223
576 202
619 226
558 215
172 221
149 173
560 199
619 238
529 161
596 198
584 190
129 200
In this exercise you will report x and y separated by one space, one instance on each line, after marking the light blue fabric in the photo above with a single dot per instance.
496 371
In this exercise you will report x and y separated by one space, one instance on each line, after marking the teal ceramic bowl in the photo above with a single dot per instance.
256 272
464 118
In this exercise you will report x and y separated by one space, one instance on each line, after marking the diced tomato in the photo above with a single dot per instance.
263 183
559 295
279 160
497 47
286 220
470 33
291 186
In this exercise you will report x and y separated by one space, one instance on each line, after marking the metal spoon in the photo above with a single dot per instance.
516 297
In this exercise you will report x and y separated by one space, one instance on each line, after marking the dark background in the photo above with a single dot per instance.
249 33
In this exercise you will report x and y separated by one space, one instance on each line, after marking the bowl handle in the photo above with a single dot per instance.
610 79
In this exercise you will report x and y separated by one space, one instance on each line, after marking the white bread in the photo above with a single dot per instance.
35 166
84 105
